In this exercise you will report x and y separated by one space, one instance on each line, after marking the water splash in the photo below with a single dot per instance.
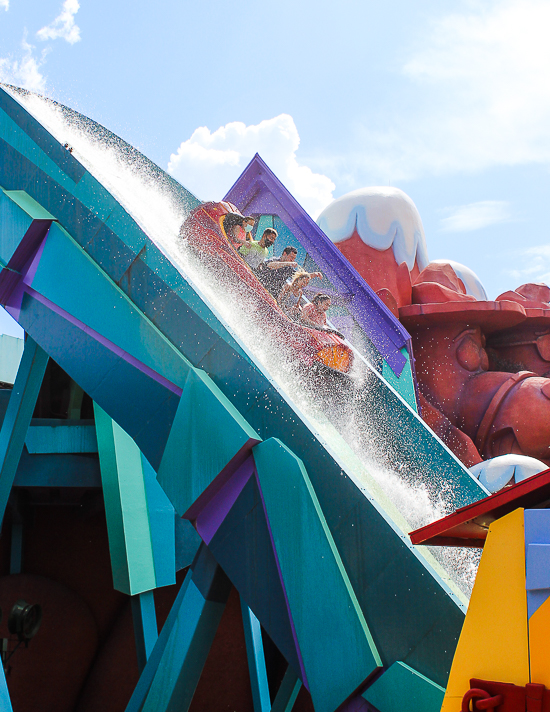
159 205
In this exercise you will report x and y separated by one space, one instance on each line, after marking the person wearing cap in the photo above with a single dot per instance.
255 252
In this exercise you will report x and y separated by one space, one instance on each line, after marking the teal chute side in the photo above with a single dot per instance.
132 347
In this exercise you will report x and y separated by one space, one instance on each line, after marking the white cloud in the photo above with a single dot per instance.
465 218
481 97
5 4
208 163
24 72
534 265
64 25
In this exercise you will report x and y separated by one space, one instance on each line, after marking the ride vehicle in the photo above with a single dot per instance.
205 233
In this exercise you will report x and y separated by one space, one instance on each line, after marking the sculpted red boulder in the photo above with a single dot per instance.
479 363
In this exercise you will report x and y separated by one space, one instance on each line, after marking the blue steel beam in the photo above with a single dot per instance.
144 616
287 692
171 675
18 416
256 660
391 580
153 661
131 541
335 643
5 702
80 471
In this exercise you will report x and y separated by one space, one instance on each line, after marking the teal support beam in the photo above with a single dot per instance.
187 542
402 689
287 692
5 702
145 626
85 331
162 525
320 597
20 216
190 463
18 416
130 541
256 660
173 670
148 674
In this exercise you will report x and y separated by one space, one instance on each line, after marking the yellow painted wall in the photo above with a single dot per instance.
493 644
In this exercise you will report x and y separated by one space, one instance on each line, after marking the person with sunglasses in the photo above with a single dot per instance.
256 252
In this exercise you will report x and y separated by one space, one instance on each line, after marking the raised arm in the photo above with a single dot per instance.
282 293
278 265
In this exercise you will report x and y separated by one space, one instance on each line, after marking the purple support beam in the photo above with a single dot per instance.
23 264
208 514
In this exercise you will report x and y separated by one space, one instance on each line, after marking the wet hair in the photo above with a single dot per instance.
299 274
249 217
318 298
232 219
288 249
270 231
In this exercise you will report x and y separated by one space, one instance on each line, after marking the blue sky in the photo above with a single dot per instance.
448 101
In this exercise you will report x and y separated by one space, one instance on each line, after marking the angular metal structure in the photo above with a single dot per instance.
320 559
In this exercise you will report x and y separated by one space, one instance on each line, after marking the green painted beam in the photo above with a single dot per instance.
113 315
208 435
18 416
145 626
18 211
185 651
5 702
336 646
29 205
287 692
162 525
256 660
125 499
402 689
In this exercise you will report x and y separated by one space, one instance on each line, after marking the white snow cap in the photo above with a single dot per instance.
384 217
469 278
494 474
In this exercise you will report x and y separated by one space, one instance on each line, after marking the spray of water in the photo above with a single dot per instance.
350 432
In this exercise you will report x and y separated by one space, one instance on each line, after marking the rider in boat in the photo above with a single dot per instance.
215 231
234 226
276 271
290 298
255 253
